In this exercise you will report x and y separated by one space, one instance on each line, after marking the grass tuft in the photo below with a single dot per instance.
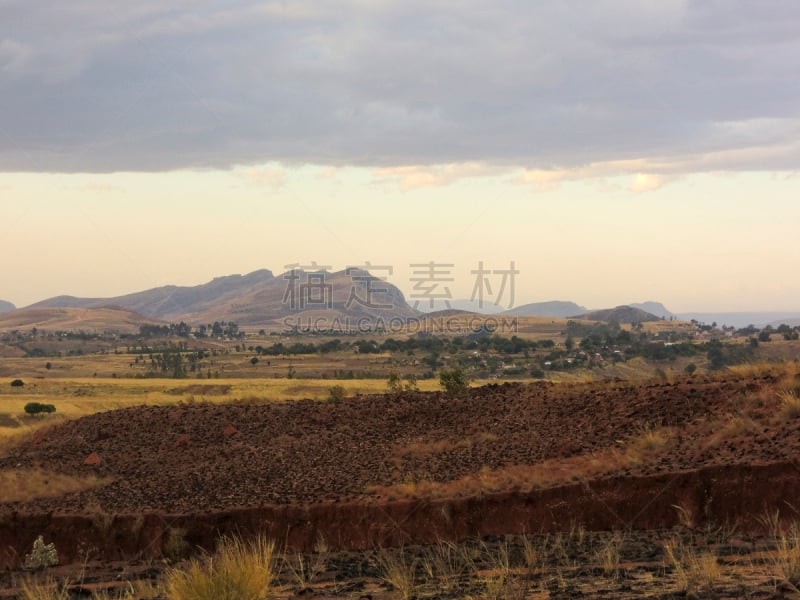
398 570
236 571
696 572
786 557
790 405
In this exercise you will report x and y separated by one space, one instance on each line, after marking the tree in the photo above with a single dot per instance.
690 368
254 361
454 381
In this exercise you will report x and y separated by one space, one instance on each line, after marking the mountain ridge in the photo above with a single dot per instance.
259 298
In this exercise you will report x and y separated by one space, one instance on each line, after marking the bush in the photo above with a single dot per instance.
454 381
42 555
36 408
17 383
336 394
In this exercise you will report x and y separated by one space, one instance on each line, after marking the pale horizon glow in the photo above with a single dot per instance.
697 243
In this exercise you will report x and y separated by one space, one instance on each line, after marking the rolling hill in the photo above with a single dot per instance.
554 308
654 308
106 319
6 306
620 314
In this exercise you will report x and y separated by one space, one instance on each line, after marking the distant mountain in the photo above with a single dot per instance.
118 320
790 322
6 307
741 319
654 308
555 308
620 314
487 307
260 298
171 302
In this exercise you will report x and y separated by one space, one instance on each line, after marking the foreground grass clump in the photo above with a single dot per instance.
695 571
786 557
32 590
238 570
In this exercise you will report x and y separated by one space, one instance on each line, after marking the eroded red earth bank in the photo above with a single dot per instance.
351 471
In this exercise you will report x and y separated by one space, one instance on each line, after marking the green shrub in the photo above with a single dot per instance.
36 408
454 381
335 394
42 555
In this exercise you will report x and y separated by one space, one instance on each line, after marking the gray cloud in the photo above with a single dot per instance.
685 85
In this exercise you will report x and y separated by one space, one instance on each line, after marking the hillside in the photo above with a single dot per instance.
105 319
554 308
620 314
6 306
261 299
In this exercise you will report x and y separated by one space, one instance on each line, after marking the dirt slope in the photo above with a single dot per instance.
214 457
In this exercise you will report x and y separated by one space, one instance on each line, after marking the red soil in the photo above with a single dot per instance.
297 469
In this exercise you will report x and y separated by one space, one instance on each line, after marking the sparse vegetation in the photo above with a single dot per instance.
454 381
695 571
336 394
38 408
399 570
790 405
238 570
42 555
19 485
787 556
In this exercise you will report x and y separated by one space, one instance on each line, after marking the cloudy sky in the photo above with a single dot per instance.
615 150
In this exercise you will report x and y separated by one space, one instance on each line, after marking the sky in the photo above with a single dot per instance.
614 151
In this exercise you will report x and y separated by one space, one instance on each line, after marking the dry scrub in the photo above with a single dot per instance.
20 485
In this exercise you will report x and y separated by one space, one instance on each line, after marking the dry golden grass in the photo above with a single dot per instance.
20 485
757 370
47 590
399 570
238 570
545 474
790 405
695 571
608 557
426 448
648 443
786 557
734 426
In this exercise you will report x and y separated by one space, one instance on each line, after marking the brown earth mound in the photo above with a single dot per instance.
379 454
